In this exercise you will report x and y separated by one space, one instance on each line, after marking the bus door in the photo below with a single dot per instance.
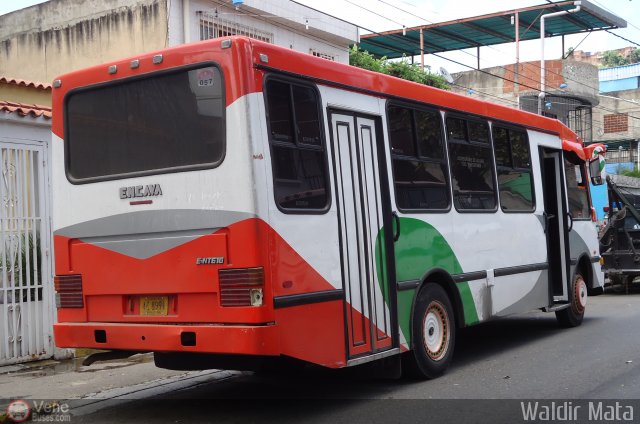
366 242
555 222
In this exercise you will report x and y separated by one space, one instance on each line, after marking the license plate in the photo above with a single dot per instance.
154 305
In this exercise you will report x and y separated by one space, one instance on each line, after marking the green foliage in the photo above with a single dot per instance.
569 52
613 58
634 56
23 263
401 68
630 173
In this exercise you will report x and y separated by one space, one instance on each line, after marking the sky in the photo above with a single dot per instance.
392 14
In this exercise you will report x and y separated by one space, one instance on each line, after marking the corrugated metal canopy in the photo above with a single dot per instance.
486 30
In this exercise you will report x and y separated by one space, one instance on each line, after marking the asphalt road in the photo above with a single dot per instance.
522 357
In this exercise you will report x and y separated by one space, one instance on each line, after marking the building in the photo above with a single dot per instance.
26 292
46 40
595 58
571 90
617 120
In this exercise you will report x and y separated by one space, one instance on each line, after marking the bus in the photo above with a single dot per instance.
229 203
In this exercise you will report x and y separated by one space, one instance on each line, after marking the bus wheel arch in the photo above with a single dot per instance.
433 327
581 281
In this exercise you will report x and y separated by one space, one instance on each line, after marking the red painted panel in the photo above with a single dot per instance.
313 333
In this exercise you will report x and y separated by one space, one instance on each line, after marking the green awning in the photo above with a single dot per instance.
494 28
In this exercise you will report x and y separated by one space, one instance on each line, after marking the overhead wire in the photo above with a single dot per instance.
484 71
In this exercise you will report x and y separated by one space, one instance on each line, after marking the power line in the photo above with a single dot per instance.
486 72
625 39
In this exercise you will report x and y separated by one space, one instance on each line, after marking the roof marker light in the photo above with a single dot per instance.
57 83
157 59
264 58
113 69
225 44
135 64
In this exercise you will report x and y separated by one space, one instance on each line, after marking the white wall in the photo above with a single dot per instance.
286 20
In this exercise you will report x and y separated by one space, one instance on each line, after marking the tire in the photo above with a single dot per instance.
433 334
573 315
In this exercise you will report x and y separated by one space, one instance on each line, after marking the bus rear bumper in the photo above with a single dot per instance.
226 339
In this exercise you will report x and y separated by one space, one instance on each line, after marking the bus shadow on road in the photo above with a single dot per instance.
494 337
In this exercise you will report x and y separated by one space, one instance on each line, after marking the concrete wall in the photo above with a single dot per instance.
610 106
581 79
43 41
28 95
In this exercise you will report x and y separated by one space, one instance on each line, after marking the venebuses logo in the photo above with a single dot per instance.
18 411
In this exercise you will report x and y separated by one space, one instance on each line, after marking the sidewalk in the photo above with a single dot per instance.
69 379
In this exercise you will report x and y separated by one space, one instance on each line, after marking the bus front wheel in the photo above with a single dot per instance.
433 333
572 316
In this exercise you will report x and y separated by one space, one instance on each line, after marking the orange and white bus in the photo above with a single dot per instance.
229 202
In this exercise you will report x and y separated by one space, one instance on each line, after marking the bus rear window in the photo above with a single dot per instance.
163 123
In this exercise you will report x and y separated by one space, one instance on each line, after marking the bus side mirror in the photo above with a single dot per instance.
594 171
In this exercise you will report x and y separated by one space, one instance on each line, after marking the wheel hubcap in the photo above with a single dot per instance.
436 331
580 295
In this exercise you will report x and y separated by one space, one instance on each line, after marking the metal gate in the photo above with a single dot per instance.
26 295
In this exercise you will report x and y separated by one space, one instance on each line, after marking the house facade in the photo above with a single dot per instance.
55 37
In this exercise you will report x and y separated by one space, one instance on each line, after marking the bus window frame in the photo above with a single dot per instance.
509 127
489 145
572 158
160 171
418 157
324 145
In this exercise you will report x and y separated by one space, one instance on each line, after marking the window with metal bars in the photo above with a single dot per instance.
211 26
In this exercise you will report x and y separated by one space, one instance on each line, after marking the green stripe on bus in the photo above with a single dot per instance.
468 305
420 248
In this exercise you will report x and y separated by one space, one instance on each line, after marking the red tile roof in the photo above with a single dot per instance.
25 110
16 81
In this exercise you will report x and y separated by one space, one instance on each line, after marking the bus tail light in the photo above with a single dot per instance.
69 291
241 286
594 216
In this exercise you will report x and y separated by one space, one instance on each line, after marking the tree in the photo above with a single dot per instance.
634 56
613 58
401 68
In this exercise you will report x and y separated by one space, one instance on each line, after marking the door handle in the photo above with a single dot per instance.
396 230
547 217
569 222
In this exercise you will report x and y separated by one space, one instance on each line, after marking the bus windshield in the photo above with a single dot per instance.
168 122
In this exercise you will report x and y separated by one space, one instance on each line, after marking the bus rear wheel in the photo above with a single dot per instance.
573 315
433 333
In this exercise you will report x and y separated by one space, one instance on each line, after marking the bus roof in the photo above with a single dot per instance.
245 53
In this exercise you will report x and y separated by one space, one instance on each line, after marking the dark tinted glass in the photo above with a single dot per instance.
306 106
501 146
298 157
520 149
420 185
577 191
280 113
299 178
478 131
429 128
516 190
401 131
456 129
472 177
157 123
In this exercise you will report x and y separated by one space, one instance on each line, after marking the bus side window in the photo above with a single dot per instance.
417 153
298 155
513 162
575 173
471 160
